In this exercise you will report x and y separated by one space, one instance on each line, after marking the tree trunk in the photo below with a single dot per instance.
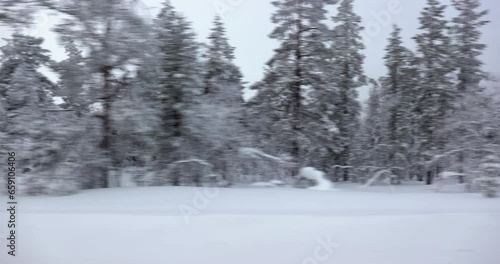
297 97
429 177
107 125
461 159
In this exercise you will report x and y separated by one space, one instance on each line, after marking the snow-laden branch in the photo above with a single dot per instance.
438 158
377 176
341 167
256 153
193 160
204 163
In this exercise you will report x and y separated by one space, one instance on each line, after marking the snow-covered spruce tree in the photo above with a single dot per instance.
17 12
436 94
22 87
263 123
296 78
79 144
265 117
372 149
466 35
31 131
219 61
472 133
258 118
137 118
347 76
180 81
467 48
398 95
114 35
72 79
214 119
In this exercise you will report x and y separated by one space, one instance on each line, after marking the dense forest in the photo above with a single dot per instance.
148 102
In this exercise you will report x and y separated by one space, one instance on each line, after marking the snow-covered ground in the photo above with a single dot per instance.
164 225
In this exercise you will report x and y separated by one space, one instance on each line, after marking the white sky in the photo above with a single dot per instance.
248 25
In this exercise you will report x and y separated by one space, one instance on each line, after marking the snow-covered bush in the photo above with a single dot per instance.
490 179
315 178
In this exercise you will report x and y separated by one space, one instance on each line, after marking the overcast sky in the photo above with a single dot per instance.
248 25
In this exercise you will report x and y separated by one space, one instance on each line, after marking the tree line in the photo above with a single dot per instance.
148 100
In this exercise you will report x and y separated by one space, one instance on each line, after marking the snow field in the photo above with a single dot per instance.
145 225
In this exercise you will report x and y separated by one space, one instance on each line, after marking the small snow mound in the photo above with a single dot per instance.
322 184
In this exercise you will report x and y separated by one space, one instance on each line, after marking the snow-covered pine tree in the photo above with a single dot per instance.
72 79
181 87
472 134
264 126
22 87
372 149
215 120
17 12
398 98
114 36
137 116
347 76
409 128
466 35
30 129
266 118
436 93
137 122
180 81
144 143
79 143
219 61
463 129
296 78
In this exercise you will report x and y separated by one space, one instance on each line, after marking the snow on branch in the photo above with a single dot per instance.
378 175
370 167
341 167
256 153
438 158
199 161
209 174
